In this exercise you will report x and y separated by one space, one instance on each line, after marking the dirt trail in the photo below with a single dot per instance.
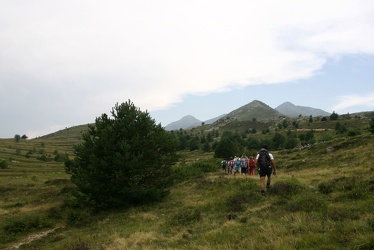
32 237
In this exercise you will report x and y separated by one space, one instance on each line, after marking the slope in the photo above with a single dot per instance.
255 109
293 111
311 204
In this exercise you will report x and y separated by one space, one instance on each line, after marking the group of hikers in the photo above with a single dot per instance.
243 165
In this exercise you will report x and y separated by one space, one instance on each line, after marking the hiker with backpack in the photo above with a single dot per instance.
223 165
231 165
266 167
237 165
252 165
244 164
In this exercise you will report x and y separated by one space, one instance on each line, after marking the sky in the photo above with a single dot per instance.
64 63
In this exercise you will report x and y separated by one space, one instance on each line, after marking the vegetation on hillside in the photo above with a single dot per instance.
322 196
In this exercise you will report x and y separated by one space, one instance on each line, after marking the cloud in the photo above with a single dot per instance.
350 101
91 54
164 50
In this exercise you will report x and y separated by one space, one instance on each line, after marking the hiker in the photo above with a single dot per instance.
244 164
231 165
237 165
223 165
266 167
252 165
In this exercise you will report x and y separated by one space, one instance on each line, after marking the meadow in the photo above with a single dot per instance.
322 197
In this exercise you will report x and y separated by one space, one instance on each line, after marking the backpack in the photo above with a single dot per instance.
237 161
263 159
231 163
252 163
223 163
244 163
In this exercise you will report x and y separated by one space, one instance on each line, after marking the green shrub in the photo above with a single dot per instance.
325 188
3 164
61 157
42 157
24 224
185 172
285 188
338 184
237 202
342 213
247 194
368 245
371 223
78 217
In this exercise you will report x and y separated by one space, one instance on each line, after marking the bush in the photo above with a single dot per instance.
184 172
325 188
285 188
25 224
368 245
338 213
349 188
3 164
338 184
78 217
61 157
248 194
371 223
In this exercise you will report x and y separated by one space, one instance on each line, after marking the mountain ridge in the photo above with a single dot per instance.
253 110
293 111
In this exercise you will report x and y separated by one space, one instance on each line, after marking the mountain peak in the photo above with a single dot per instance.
255 109
187 121
188 117
291 110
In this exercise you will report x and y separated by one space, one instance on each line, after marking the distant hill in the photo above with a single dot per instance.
255 109
210 121
189 121
291 110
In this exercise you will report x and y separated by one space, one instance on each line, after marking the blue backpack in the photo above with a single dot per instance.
237 162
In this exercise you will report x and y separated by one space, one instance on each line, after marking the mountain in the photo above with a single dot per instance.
187 121
210 121
255 109
291 110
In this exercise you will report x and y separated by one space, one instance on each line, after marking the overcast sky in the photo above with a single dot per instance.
64 63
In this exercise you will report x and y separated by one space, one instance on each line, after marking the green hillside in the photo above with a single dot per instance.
322 196
255 109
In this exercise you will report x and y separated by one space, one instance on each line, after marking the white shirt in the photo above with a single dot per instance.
271 157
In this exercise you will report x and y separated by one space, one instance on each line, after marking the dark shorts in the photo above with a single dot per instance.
265 172
244 170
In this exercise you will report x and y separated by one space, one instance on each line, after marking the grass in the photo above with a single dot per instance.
322 198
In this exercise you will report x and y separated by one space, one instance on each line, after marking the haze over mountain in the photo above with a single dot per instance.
189 121
291 110
185 122
255 109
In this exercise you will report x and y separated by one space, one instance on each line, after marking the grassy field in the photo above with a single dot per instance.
322 197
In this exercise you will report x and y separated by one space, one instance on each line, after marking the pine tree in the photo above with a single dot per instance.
124 159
